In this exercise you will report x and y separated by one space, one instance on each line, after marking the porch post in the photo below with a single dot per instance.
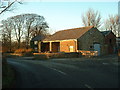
76 44
39 46
50 46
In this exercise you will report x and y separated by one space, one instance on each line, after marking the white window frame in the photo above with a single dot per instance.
36 48
35 42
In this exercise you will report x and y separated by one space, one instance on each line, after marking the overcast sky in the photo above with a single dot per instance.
64 14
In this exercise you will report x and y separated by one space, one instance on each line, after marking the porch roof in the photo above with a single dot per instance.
38 38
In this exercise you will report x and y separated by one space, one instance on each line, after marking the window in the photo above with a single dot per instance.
91 47
35 48
110 41
35 42
71 49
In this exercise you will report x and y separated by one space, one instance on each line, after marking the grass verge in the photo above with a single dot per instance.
8 75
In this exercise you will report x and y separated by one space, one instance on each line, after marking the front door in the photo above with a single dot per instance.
97 48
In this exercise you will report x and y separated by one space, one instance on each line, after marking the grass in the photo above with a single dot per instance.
8 76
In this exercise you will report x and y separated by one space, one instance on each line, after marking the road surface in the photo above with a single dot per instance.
64 73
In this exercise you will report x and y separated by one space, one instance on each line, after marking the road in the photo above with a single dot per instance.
63 73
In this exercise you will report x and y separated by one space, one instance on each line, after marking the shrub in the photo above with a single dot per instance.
40 56
22 50
56 55
28 54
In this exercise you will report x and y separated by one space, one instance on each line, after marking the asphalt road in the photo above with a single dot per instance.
63 73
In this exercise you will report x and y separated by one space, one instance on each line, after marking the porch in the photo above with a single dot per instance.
48 46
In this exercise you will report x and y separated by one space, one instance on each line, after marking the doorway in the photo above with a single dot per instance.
71 49
97 48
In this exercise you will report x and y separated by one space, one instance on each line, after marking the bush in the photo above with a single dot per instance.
42 56
22 50
28 54
56 55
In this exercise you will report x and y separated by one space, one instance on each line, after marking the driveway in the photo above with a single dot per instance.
64 73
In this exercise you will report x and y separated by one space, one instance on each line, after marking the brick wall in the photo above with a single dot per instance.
65 46
86 42
110 40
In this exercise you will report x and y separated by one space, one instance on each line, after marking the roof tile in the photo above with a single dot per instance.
68 34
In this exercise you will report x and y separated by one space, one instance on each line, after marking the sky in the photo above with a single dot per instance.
65 14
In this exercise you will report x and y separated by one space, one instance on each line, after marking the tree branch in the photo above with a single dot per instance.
5 9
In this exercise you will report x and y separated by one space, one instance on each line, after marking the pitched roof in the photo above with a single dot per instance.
68 34
38 38
106 32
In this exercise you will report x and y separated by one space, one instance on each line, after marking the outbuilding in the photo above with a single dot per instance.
110 41
73 40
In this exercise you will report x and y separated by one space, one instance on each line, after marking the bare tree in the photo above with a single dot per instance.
29 19
7 33
112 23
33 23
4 38
18 27
40 27
91 18
24 26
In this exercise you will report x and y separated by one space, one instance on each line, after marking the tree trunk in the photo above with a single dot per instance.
19 44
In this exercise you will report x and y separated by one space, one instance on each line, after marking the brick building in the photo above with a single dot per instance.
118 42
110 41
72 40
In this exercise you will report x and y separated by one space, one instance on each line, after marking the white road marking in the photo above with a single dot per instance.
58 71
89 87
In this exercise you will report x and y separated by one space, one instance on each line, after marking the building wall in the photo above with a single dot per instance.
118 42
34 46
66 44
110 40
87 41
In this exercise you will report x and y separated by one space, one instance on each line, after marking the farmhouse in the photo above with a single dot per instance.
71 40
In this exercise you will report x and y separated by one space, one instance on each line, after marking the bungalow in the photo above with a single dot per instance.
71 40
